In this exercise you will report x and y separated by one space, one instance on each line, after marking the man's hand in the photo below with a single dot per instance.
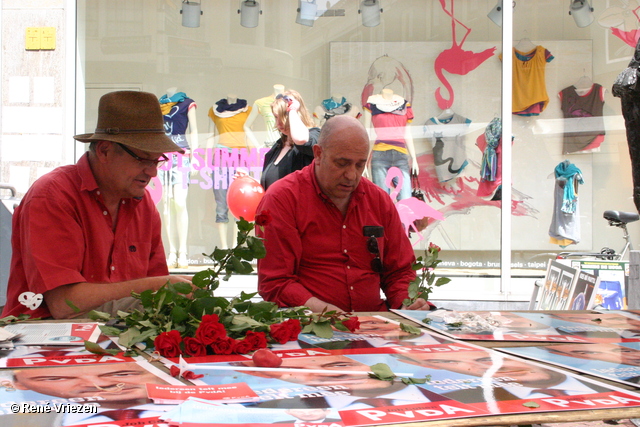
419 304
317 305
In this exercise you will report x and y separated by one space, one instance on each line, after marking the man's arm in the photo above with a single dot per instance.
87 296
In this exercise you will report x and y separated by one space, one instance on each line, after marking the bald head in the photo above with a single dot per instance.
340 158
339 124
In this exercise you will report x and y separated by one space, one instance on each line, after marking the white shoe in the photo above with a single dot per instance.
172 260
183 262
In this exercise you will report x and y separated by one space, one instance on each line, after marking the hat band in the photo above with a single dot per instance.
116 131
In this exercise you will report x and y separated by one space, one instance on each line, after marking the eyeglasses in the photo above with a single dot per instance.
146 163
372 247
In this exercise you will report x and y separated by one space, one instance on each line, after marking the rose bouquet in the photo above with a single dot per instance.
181 319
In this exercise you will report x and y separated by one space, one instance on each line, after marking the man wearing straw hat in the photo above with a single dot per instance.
87 235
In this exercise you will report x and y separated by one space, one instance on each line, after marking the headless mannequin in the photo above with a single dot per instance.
272 132
175 213
319 113
213 142
413 161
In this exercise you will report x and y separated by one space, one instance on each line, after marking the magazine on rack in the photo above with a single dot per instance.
450 380
559 283
81 394
562 326
614 281
612 361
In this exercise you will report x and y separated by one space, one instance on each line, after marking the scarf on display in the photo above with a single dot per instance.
330 104
567 171
492 135
226 110
166 103
394 105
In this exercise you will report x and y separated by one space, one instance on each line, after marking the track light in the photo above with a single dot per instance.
249 13
306 12
496 14
190 14
370 10
582 12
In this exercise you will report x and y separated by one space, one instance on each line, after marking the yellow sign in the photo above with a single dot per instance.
40 38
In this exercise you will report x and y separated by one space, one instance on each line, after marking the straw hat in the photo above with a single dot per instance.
131 118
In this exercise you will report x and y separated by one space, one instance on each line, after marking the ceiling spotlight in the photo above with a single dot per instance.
190 14
306 12
496 13
370 10
582 12
249 13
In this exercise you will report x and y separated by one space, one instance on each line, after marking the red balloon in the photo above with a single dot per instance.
243 196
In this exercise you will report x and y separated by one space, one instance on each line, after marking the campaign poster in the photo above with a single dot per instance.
63 334
43 355
80 394
560 326
457 380
614 280
612 361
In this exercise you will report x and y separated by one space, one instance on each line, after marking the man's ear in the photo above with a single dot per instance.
102 149
317 151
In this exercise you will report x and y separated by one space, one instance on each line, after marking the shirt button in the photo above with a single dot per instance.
113 267
348 267
345 251
105 213
123 202
98 192
344 226
351 287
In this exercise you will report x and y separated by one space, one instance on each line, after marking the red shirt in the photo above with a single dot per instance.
62 234
312 250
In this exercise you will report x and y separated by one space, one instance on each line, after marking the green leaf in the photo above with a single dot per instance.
383 372
129 337
257 247
412 380
146 298
182 287
323 330
442 281
110 331
179 315
531 405
72 305
410 329
220 254
98 316
96 349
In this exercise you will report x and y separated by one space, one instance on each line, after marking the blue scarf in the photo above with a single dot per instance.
567 171
177 97
223 105
330 104
489 166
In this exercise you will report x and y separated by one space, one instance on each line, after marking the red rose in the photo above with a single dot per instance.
168 343
210 318
174 371
223 345
285 331
352 323
263 218
193 347
256 339
188 375
433 248
242 346
209 331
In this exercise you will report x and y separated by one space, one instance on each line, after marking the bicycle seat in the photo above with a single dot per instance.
621 217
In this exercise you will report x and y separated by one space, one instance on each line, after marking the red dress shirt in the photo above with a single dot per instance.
62 234
312 250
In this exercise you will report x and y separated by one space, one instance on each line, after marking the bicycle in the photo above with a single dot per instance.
615 219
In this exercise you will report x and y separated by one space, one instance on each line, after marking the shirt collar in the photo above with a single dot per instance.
89 182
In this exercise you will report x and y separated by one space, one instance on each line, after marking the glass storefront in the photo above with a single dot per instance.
444 59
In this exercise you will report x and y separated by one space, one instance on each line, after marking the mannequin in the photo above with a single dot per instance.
393 143
262 106
336 105
446 133
179 117
226 130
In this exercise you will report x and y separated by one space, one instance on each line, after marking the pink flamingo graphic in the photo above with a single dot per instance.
455 60
409 209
